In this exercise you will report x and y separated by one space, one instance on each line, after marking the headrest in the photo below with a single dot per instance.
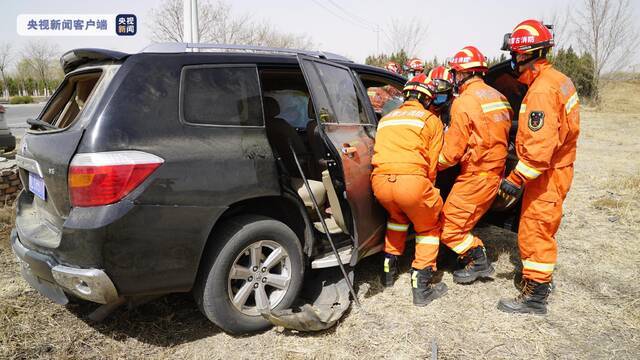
271 107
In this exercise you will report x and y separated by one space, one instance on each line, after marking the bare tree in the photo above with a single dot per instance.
218 24
406 34
5 60
607 31
168 20
40 56
561 20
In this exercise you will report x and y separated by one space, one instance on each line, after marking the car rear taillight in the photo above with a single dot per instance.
105 178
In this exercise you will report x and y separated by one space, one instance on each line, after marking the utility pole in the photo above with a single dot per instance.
190 23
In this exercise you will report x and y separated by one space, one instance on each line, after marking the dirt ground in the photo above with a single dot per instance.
594 311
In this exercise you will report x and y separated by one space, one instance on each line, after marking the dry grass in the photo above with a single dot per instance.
619 97
594 311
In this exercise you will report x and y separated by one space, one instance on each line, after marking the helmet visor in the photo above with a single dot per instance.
442 86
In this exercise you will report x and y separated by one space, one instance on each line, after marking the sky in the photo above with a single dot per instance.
341 26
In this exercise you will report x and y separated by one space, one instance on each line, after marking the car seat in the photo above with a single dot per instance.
280 134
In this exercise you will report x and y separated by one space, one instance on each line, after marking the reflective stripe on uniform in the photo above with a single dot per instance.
414 279
527 171
464 245
571 103
427 240
402 122
386 265
523 108
537 266
397 227
498 105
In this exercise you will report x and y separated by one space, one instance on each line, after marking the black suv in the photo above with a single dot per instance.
174 170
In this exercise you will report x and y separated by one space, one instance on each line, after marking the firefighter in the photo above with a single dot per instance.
477 139
406 150
549 122
414 67
443 81
393 67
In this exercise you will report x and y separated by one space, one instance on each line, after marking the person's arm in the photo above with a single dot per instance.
537 138
434 139
456 138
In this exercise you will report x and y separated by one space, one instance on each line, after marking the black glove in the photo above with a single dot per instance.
507 188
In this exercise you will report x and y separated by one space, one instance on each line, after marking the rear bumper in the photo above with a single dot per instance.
53 280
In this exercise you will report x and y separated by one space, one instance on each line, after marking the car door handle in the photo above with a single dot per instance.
349 150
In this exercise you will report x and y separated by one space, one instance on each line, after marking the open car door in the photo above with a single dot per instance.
348 130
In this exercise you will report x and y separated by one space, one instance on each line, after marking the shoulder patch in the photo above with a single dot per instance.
536 120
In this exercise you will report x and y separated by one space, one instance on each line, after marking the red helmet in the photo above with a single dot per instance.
442 78
420 85
469 59
416 65
529 36
393 67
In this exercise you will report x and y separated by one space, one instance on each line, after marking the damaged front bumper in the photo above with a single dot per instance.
54 280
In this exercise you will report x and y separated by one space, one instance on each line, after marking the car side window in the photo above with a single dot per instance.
221 95
385 95
340 102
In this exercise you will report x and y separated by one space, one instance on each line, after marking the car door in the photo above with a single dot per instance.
347 128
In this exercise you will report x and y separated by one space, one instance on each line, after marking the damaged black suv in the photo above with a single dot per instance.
176 170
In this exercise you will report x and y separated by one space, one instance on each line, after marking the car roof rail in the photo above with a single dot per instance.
209 47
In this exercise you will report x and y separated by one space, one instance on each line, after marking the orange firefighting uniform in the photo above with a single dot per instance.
408 142
548 128
478 138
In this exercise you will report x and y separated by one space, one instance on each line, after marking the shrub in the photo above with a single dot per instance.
578 67
21 100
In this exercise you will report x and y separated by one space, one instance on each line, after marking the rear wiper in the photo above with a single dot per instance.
42 124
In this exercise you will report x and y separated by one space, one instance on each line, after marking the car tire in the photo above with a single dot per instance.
220 292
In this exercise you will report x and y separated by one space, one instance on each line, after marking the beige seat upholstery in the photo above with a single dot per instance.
336 209
332 226
317 188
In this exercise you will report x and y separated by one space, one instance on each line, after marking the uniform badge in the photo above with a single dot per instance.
536 120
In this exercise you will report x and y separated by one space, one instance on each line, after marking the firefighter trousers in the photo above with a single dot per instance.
469 199
410 199
539 221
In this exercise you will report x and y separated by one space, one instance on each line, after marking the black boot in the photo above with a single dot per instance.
424 291
389 270
532 299
476 265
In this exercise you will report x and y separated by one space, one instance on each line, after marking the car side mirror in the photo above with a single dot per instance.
505 42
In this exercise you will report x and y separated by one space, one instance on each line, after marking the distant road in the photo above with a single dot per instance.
17 116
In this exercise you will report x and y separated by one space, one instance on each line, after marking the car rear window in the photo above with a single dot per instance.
221 95
71 97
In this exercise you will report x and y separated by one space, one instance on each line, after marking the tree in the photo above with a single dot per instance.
562 22
606 30
24 77
218 24
496 60
406 35
39 56
5 60
381 60
578 68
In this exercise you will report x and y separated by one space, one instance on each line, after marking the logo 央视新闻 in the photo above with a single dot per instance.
126 24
